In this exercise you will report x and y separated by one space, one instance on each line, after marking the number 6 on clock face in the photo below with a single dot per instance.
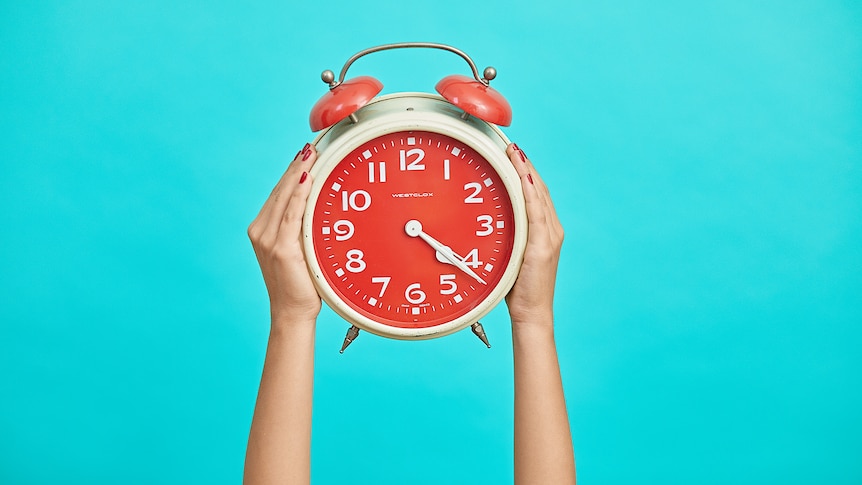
415 233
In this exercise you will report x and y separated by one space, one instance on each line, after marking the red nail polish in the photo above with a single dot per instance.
303 177
515 147
297 154
530 178
522 155
306 155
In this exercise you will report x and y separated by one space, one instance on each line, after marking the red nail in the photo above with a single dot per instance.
306 155
515 147
522 155
306 148
297 154
303 177
530 178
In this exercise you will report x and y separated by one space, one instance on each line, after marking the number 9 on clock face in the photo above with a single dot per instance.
412 230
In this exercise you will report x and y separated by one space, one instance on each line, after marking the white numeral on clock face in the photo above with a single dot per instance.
446 169
414 295
414 165
476 187
485 221
384 280
354 263
351 200
472 258
343 229
449 281
381 170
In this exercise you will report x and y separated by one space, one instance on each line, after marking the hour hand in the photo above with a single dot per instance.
443 259
413 228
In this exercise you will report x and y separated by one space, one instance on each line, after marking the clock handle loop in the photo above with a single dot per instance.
329 77
473 95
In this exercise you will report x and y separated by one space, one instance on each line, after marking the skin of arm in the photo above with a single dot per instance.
279 444
543 442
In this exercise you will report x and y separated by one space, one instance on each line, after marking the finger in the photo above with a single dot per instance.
553 219
524 168
275 192
523 165
547 201
536 214
286 186
518 159
291 225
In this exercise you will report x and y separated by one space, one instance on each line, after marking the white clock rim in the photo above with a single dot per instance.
423 117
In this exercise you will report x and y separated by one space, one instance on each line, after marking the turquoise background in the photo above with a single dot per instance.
704 156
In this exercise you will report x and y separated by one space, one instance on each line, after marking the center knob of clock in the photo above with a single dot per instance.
413 228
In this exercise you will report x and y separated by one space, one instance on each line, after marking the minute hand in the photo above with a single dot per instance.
414 229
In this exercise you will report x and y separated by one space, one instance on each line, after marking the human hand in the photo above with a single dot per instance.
277 240
531 299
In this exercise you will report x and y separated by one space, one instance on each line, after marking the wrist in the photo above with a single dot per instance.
292 334
533 338
537 323
288 320
288 313
533 326
541 317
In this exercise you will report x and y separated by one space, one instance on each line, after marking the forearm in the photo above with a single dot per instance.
280 439
543 442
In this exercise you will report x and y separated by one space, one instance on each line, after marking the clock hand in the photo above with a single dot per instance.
444 260
413 228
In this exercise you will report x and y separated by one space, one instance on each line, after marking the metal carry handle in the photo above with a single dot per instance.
329 77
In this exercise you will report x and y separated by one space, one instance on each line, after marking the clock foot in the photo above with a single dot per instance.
352 332
480 332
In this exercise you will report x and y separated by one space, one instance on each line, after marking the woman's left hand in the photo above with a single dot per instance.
276 235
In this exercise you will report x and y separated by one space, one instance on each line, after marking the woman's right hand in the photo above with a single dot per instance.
276 235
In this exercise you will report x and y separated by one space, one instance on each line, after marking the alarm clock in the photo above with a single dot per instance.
416 224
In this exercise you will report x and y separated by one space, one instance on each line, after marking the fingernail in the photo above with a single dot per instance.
522 155
297 154
515 147
306 155
530 178
306 148
305 176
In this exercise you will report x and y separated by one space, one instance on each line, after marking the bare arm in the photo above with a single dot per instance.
279 443
543 442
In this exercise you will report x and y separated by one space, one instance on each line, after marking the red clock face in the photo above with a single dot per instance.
413 229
